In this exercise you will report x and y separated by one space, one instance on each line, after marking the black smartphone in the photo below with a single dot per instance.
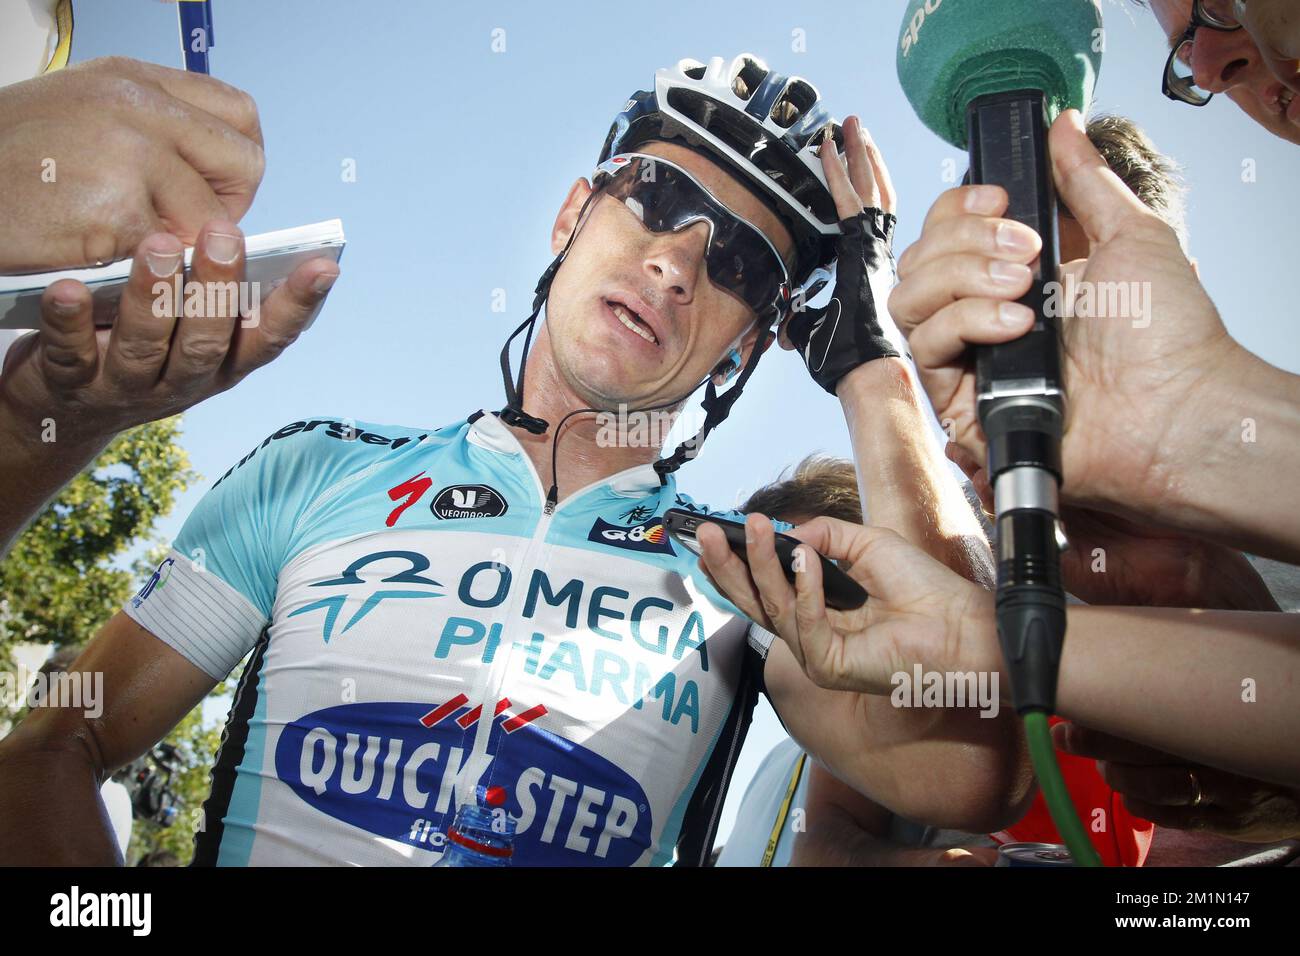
841 591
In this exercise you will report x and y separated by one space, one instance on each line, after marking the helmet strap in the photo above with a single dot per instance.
513 413
716 409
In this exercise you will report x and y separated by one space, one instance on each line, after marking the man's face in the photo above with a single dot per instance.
1230 62
686 325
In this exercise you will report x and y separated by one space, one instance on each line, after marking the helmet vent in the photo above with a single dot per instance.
837 134
796 99
737 132
763 127
751 74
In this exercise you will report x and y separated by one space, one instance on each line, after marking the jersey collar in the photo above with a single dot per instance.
488 431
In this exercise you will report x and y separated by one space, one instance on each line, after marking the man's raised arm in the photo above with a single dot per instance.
944 766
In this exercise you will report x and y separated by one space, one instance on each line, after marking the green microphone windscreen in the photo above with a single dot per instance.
951 51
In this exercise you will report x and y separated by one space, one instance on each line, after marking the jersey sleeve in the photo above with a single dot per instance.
212 595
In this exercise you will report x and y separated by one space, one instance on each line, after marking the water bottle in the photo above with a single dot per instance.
479 837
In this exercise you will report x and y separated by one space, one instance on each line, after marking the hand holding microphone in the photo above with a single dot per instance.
993 81
990 79
1142 385
1166 411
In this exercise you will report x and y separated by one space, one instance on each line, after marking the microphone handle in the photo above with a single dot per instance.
1021 404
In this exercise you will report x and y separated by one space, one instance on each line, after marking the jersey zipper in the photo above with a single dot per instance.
500 667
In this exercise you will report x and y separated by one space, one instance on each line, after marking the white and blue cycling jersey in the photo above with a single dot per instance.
422 628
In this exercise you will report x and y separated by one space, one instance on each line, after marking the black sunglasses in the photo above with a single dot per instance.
664 197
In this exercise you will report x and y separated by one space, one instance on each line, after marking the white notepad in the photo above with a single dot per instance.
270 256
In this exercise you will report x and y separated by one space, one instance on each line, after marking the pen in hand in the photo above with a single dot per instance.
196 33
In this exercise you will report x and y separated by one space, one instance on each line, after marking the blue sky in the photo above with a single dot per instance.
463 156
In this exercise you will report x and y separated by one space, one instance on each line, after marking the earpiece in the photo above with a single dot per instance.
728 367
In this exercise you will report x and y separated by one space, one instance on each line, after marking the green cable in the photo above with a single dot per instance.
1043 754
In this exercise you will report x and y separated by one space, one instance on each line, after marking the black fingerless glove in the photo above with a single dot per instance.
854 327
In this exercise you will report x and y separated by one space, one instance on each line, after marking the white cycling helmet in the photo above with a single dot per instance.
762 126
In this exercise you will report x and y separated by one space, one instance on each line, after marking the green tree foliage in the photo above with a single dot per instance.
59 582
68 574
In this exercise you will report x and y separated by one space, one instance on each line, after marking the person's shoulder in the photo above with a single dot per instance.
772 776
298 465
781 758
687 503
330 444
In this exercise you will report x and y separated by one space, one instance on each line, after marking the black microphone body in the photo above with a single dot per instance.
1021 403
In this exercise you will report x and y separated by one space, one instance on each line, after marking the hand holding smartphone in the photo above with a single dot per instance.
841 591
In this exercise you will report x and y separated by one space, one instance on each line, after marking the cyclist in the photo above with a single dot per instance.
443 615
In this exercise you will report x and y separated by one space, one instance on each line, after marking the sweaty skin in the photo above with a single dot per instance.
136 149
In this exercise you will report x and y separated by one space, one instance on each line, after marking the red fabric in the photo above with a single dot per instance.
1125 839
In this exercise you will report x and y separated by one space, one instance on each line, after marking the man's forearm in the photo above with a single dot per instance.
845 828
1232 463
840 843
905 482
943 766
837 841
51 813
1217 687
33 469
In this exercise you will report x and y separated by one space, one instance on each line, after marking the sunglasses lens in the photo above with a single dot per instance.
1179 79
739 258
742 263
